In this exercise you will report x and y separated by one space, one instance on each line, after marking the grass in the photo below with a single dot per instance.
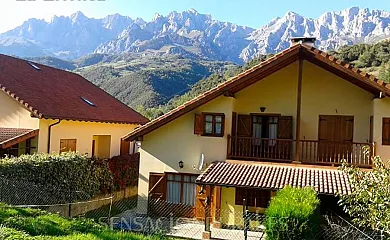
32 224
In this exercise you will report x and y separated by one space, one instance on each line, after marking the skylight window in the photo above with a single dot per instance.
34 66
88 102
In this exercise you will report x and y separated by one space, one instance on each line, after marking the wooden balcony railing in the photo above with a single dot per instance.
333 153
260 148
311 151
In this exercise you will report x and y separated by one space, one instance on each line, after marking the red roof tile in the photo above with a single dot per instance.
12 136
324 181
56 94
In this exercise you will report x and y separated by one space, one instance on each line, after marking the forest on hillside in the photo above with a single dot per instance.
373 58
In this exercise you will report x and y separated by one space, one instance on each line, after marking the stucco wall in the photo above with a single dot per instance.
231 214
277 92
324 93
162 149
83 132
381 109
14 115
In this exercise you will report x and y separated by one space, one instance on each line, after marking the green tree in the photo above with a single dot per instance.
369 201
384 73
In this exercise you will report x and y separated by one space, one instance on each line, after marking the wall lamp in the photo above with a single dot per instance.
181 164
262 109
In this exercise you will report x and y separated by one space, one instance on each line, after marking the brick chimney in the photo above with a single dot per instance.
310 41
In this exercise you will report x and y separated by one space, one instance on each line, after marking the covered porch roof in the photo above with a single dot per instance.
275 176
12 136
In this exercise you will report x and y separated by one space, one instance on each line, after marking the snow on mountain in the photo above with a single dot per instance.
67 37
190 33
332 30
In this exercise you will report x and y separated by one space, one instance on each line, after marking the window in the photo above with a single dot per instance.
181 189
253 197
67 145
88 101
34 66
210 124
265 127
386 131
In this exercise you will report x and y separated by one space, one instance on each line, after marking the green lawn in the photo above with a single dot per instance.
32 224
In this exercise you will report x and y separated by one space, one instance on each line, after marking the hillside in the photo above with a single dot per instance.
150 81
373 58
155 85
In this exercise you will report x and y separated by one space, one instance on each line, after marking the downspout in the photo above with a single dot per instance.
49 134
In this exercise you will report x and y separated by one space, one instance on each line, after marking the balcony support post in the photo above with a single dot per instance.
299 103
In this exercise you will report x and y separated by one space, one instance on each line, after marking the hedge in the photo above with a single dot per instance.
293 214
52 178
125 170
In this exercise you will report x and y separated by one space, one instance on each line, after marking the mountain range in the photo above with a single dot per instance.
189 34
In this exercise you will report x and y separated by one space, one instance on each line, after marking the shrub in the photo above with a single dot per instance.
52 178
368 203
293 214
124 170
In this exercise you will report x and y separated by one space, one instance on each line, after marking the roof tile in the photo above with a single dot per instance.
56 94
324 181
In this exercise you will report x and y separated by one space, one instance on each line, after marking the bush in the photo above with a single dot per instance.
52 178
125 170
293 214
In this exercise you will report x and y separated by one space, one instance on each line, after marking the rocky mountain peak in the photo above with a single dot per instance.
191 33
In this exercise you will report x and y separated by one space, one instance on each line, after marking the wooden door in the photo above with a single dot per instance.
200 205
335 136
157 186
125 148
157 192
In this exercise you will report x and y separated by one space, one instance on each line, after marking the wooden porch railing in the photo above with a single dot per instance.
311 151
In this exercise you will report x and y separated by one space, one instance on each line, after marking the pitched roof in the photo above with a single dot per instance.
274 177
12 136
264 69
56 94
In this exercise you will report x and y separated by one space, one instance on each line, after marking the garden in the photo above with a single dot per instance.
294 213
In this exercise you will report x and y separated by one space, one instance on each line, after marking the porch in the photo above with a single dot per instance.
330 153
18 141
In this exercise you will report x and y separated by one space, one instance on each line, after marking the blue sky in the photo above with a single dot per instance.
253 13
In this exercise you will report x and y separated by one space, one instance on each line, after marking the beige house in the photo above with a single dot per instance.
43 109
290 120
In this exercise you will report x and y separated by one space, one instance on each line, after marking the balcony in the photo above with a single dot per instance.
311 151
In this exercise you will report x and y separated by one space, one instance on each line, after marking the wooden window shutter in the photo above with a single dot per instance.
371 129
346 128
285 129
67 145
198 124
234 124
157 186
386 131
244 126
125 147
240 194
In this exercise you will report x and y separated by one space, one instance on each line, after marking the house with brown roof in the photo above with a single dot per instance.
43 109
290 120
